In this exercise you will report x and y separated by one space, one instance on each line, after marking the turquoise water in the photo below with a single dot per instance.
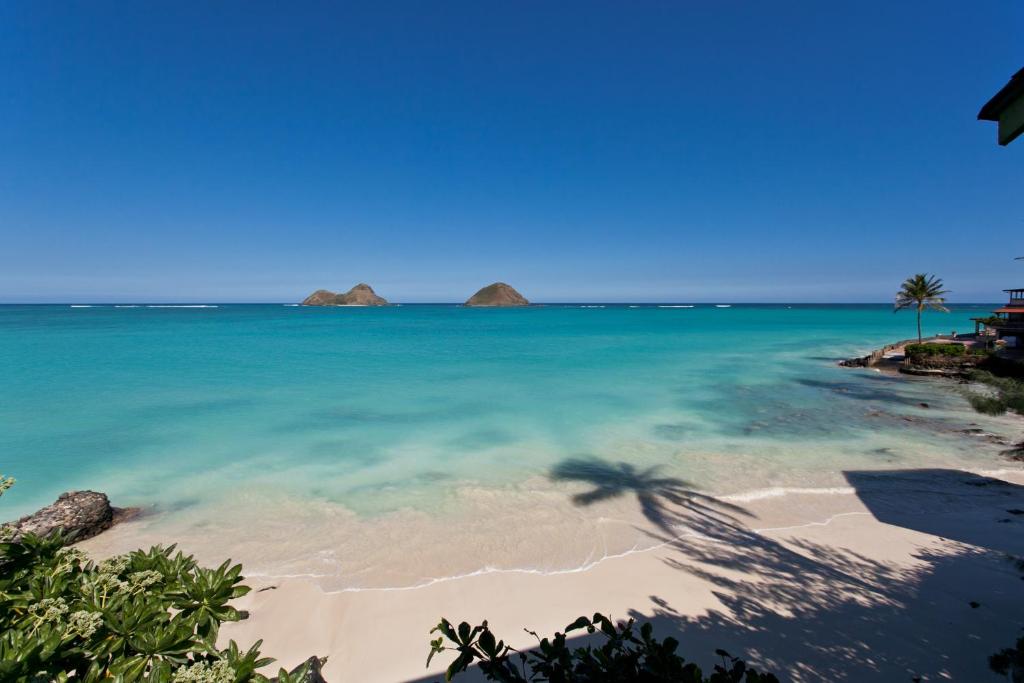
229 419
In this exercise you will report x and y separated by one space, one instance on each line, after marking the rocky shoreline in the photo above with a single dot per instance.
78 514
892 358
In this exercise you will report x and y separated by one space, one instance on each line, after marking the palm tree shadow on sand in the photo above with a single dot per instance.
667 502
814 608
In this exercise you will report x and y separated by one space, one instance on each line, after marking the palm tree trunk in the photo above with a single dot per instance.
918 324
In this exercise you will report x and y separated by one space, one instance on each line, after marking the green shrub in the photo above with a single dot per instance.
1008 394
626 655
923 350
145 616
991 321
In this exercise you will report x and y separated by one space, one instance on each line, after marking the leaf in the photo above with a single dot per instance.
436 646
487 643
581 622
460 664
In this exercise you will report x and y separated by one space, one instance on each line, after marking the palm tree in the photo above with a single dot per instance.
921 291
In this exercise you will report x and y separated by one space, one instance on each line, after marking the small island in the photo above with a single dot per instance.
498 294
360 295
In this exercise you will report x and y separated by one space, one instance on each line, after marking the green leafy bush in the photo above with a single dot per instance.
626 655
924 350
1008 394
991 321
145 616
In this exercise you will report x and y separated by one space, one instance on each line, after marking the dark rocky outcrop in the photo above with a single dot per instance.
498 294
81 514
360 295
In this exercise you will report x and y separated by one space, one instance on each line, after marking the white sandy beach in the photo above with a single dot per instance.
876 582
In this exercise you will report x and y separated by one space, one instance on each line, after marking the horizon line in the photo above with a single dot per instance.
716 302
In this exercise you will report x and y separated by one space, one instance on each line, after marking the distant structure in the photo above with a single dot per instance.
498 294
360 295
1007 108
1007 323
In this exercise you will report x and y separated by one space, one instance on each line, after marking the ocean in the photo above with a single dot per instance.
375 448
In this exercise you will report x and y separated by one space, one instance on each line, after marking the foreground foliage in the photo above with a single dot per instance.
1009 661
146 616
626 654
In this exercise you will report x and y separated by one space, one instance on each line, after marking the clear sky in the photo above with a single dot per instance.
581 151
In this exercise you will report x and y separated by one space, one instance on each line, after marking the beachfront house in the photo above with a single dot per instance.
1006 323
1007 108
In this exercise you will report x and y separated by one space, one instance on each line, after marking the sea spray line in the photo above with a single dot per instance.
586 566
779 491
810 524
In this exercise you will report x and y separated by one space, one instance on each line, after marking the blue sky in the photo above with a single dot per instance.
581 151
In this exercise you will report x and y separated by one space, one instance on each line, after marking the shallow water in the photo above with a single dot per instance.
361 445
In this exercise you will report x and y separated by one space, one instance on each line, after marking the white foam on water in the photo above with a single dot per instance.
723 305
290 305
81 305
181 306
776 492
677 306
807 525
589 563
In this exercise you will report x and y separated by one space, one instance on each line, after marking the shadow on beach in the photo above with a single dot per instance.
811 611
666 502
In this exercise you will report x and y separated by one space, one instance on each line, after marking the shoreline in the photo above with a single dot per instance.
777 508
713 571
589 564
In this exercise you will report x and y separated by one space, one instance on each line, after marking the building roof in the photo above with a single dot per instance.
1003 99
1010 309
1015 289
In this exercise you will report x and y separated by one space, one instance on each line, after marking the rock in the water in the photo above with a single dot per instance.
81 514
498 294
321 297
360 295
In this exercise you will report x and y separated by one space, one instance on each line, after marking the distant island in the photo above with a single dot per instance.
498 294
360 295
